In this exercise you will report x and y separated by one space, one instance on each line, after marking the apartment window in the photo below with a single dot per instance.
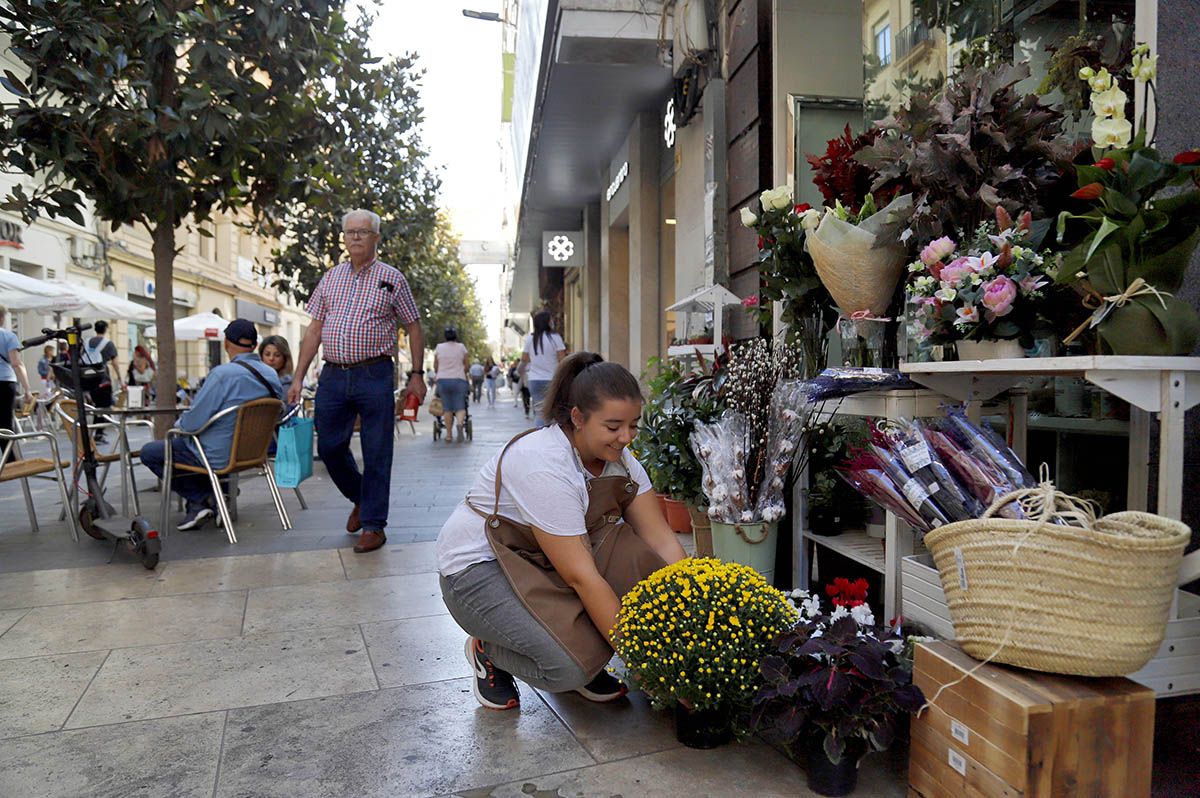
883 42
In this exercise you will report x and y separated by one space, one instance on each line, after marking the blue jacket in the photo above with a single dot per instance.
227 385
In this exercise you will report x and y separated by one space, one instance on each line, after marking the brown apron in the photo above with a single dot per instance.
622 558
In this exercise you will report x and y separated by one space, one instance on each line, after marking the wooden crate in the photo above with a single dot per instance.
1006 732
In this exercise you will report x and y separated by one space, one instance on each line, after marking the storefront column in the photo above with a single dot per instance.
614 290
645 302
591 278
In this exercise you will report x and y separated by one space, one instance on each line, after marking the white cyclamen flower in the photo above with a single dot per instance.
839 612
811 607
748 217
862 614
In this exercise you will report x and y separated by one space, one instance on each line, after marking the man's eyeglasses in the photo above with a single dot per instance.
358 233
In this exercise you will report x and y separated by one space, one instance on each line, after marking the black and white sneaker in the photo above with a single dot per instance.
493 688
604 688
195 518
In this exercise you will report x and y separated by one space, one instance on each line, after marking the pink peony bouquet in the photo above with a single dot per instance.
990 290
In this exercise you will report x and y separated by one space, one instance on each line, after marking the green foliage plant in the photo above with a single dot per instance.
160 111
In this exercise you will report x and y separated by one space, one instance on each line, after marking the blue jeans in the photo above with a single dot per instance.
537 389
194 488
367 393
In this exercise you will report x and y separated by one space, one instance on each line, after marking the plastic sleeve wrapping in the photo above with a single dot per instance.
919 494
922 461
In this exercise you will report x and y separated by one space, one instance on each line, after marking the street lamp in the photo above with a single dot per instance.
486 16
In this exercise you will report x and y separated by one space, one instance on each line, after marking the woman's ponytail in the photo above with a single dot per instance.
584 380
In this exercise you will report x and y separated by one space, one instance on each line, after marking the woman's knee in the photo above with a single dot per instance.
561 673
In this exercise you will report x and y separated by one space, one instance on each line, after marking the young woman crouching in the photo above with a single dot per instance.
559 524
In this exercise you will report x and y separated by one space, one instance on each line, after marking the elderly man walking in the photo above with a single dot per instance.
356 311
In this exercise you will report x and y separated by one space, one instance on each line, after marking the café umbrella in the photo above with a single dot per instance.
20 292
197 327
103 305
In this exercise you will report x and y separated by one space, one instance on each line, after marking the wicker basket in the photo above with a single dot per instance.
1065 593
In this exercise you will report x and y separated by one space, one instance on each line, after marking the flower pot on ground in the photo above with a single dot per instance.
826 777
692 634
989 350
677 515
701 531
752 545
707 728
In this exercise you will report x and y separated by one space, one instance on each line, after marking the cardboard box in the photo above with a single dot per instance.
1009 732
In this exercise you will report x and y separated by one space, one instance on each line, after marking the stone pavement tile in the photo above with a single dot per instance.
406 741
402 558
416 650
749 769
120 580
168 757
120 624
37 694
254 570
9 618
622 729
184 678
387 598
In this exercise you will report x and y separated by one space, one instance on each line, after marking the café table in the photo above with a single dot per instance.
123 417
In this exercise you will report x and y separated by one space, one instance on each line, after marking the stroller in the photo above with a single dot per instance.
439 426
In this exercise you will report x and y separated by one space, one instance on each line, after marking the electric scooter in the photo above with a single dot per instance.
96 516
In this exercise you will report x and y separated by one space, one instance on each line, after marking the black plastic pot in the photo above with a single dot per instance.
708 728
830 778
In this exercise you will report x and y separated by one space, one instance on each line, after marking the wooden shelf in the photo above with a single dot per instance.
858 546
1084 426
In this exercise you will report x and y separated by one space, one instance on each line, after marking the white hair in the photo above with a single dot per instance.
374 217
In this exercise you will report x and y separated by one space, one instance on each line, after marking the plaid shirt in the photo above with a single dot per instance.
361 313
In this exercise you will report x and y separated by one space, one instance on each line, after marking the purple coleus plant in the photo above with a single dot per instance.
837 675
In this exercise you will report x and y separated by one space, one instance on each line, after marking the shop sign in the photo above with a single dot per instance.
617 180
256 313
10 235
562 249
669 124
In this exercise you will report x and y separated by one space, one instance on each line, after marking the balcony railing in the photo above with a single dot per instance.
910 37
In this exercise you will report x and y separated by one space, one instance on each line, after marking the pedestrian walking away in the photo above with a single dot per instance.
544 350
570 525
101 353
477 372
356 311
514 380
491 374
450 360
45 370
12 375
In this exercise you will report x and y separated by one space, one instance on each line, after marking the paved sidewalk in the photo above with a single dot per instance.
289 666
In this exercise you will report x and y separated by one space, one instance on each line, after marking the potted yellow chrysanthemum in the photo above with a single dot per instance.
691 636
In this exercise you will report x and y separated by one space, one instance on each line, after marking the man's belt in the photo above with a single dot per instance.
371 361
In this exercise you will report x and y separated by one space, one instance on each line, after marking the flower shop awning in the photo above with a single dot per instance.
197 327
19 292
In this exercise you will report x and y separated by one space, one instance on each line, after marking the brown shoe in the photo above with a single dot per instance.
352 523
370 541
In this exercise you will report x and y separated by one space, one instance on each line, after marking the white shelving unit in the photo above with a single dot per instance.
1168 386
706 300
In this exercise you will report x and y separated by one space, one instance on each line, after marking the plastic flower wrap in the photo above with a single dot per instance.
905 438
864 474
853 258
987 447
786 428
720 447
696 631
834 383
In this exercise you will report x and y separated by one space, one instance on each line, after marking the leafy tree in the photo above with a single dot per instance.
158 111
377 161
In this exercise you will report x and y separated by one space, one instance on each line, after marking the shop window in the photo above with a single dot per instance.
883 42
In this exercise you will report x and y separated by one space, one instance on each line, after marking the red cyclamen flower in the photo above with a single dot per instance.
1091 191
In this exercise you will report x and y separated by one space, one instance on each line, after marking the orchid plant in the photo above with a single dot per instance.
989 290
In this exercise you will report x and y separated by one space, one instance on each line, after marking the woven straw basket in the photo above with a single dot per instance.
1065 593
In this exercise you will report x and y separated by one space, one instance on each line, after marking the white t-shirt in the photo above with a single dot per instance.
544 485
542 364
450 360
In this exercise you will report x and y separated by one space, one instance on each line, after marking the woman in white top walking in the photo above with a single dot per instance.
544 349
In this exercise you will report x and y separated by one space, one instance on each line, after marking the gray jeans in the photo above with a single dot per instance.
485 605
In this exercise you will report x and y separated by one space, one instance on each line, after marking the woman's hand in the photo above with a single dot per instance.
645 514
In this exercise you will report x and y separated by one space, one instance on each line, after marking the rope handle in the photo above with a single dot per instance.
742 534
1046 503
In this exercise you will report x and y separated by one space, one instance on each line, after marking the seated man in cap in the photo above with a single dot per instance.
244 378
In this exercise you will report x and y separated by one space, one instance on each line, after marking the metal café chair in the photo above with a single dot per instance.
233 479
68 414
254 427
13 466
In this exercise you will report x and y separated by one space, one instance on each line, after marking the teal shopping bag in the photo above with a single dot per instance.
294 453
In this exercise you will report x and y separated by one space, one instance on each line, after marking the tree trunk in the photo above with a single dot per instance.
164 316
